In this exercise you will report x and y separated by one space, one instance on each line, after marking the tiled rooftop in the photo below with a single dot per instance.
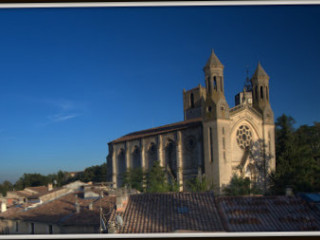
177 212
39 190
31 192
63 211
169 212
278 213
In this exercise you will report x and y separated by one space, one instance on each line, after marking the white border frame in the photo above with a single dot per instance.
157 4
161 4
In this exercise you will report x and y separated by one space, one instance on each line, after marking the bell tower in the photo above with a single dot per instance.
260 93
216 105
216 130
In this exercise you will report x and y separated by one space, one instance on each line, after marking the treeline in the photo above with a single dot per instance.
297 157
95 174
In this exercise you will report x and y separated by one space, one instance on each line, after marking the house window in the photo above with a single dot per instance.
50 229
32 228
215 83
261 92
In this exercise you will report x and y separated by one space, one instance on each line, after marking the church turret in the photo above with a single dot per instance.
260 90
216 104
214 75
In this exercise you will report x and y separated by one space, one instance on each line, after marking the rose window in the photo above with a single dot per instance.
244 137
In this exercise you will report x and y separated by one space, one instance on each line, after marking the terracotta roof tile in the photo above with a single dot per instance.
63 211
169 212
39 189
278 213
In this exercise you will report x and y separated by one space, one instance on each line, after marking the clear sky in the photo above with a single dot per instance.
72 80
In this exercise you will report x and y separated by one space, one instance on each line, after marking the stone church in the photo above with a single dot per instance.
214 140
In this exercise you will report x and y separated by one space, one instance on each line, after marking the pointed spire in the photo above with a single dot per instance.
213 60
260 72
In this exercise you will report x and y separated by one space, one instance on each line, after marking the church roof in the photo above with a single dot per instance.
160 130
213 60
260 72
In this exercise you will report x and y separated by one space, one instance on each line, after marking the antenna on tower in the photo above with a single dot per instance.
247 84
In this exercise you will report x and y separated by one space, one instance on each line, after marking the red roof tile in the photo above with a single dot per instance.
63 211
278 213
169 212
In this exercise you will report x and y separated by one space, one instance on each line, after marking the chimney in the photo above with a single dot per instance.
50 187
289 192
121 200
3 207
91 206
77 205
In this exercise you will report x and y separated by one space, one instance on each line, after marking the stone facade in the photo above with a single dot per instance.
213 139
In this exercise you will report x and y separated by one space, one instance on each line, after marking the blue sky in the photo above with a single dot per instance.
71 80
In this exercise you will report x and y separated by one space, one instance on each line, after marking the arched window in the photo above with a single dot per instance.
152 155
192 100
209 85
215 83
136 158
261 92
256 93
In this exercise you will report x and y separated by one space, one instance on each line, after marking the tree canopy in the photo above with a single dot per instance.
297 157
155 180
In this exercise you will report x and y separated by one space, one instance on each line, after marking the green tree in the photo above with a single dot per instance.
133 178
31 180
296 159
240 186
159 181
5 187
199 184
97 173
